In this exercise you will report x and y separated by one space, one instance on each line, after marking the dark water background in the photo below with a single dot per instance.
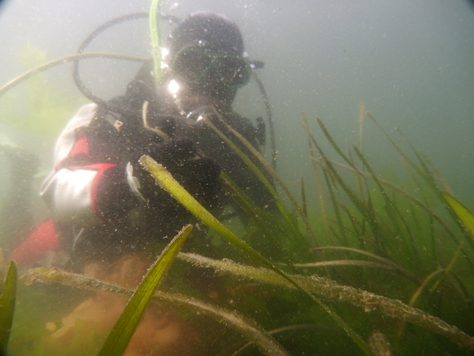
410 61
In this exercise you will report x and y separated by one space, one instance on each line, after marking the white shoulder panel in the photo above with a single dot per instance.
67 138
72 200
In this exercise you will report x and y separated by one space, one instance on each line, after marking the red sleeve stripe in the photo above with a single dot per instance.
81 146
35 248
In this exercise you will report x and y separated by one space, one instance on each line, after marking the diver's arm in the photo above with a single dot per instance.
85 188
88 195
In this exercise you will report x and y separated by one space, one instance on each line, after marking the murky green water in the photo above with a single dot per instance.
408 64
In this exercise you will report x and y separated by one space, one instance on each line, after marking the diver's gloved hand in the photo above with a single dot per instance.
198 175
204 171
172 153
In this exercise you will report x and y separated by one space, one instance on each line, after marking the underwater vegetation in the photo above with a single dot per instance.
381 263
376 268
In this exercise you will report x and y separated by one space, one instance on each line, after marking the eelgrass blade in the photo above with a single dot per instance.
64 60
331 185
461 288
365 210
282 330
416 295
360 263
410 197
168 183
264 164
424 172
463 213
247 327
419 203
385 261
428 175
258 173
303 198
270 119
266 220
314 163
334 144
388 203
272 227
390 206
449 267
7 306
430 179
359 228
362 187
394 144
438 175
154 27
333 291
361 122
123 330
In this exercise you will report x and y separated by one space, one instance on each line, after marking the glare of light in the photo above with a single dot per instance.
164 52
173 87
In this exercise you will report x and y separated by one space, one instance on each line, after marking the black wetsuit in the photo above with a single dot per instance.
95 211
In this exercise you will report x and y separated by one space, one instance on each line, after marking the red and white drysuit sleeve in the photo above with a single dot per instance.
80 190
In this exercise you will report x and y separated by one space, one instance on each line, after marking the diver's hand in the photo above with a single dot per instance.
178 156
197 175
200 177
203 172
172 153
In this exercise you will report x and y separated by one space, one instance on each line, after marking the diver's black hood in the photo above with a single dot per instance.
212 31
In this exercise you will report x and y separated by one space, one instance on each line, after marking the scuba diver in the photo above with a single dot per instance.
97 208
107 211
103 203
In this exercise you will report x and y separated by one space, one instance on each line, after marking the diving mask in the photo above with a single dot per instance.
192 64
